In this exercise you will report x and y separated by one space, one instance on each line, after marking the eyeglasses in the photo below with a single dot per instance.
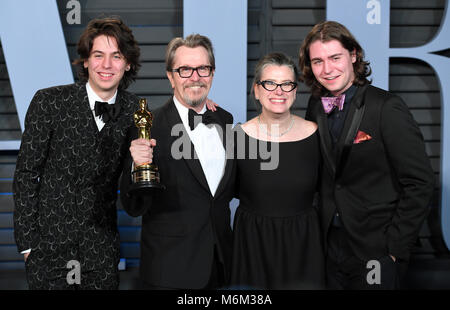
271 86
186 72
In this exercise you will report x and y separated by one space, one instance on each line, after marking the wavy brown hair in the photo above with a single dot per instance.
115 28
325 32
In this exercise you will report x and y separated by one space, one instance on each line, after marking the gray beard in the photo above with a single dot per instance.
195 103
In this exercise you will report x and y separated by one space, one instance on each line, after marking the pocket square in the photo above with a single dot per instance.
361 136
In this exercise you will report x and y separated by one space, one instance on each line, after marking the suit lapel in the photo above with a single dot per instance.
227 139
351 126
225 177
83 130
193 163
325 141
83 110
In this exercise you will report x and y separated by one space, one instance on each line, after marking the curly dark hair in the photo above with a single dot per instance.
325 32
115 28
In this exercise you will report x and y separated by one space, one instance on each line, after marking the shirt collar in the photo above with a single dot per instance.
93 97
349 93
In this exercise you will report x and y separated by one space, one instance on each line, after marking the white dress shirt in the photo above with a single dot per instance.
208 146
93 97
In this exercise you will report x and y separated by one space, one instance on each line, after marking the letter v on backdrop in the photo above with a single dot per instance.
369 21
35 51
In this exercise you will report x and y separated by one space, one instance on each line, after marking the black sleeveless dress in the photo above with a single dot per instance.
277 237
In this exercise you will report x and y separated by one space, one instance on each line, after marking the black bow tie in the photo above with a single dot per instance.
106 111
207 118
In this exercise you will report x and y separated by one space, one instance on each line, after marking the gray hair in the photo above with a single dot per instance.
276 59
193 40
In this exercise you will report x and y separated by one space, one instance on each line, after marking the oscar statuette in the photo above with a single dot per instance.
145 177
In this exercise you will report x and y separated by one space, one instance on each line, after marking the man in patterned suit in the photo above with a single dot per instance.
69 163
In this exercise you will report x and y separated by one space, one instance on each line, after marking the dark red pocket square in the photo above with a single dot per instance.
361 136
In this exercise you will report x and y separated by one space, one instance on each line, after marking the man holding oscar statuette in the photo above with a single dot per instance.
145 176
186 233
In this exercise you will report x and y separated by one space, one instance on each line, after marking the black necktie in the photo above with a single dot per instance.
207 118
106 111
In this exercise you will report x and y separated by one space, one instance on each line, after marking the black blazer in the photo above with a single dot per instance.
66 179
181 224
380 187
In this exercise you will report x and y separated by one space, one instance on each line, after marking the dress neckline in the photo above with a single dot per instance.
279 142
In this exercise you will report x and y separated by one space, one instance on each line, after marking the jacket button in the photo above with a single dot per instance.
338 186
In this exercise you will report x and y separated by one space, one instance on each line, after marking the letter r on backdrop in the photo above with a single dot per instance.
361 18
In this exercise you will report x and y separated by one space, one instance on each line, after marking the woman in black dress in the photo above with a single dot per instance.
277 240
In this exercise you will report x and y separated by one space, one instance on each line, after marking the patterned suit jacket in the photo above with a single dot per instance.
65 183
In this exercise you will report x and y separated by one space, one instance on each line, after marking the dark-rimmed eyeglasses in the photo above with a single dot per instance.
186 72
271 86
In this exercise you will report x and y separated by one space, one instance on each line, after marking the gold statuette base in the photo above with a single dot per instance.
145 179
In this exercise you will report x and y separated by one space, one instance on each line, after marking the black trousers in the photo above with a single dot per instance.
216 279
346 271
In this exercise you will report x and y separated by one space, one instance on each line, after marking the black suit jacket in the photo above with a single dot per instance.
183 223
66 179
380 187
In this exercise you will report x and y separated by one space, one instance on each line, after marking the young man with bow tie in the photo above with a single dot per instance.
377 180
186 233
70 159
